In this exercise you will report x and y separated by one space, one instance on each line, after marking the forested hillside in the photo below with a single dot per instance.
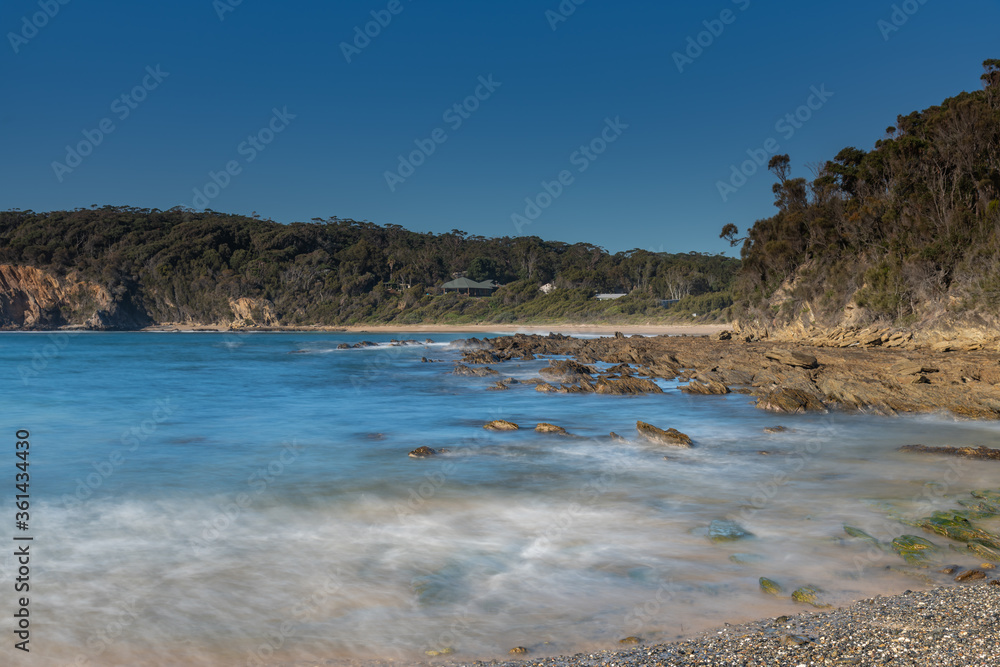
907 233
184 266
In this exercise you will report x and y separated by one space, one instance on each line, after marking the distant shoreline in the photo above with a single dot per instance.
594 329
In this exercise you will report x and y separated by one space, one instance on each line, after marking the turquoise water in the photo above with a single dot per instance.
204 498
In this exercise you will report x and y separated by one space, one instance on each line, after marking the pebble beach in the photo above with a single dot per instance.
944 627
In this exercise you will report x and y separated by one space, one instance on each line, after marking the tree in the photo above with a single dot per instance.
482 269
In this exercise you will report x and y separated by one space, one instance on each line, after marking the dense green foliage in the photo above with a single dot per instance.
184 266
905 232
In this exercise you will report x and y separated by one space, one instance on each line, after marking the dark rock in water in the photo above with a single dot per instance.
790 401
957 527
510 381
913 549
545 387
630 640
626 386
669 437
424 360
860 534
343 346
498 386
951 569
770 586
808 595
550 428
518 649
982 452
775 429
501 425
422 453
365 343
792 358
485 371
299 352
427 341
724 530
617 438
971 575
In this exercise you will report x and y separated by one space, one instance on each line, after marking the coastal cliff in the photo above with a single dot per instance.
31 298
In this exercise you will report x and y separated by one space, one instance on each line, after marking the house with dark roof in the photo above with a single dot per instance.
470 287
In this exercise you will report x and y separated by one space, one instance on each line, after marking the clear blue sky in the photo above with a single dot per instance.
655 186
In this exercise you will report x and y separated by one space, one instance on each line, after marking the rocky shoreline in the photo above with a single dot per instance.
783 377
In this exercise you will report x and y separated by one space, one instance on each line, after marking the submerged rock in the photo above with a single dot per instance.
517 649
630 640
971 575
422 453
913 549
770 586
669 437
617 438
809 595
550 428
775 429
501 425
724 530
486 371
857 532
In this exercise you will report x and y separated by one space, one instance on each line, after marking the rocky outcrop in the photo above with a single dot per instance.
550 428
249 312
626 386
792 358
669 437
982 452
31 298
884 379
500 425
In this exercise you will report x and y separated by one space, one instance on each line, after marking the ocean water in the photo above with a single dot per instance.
218 499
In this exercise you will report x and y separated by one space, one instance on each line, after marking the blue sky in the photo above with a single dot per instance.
310 128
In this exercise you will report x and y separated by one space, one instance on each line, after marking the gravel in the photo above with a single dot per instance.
940 627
